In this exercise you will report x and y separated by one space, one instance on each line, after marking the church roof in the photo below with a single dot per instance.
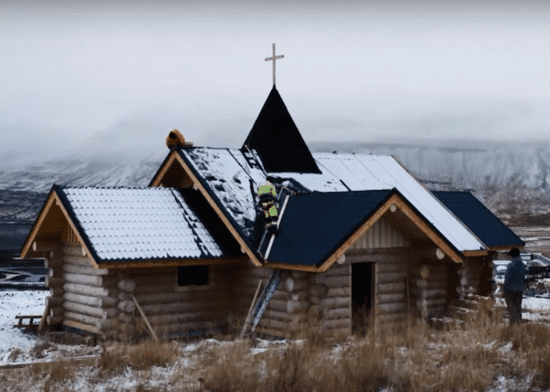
479 219
230 181
143 224
314 226
277 140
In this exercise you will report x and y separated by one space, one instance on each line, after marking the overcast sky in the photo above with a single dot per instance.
115 75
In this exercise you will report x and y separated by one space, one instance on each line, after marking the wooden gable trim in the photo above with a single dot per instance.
475 253
164 168
37 223
417 220
500 248
73 231
173 263
197 184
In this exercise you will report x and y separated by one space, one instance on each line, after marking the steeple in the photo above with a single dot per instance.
277 140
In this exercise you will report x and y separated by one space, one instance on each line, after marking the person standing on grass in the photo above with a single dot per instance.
514 284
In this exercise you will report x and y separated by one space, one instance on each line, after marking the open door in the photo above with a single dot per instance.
362 296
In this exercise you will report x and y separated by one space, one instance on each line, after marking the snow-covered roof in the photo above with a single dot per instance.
139 223
229 176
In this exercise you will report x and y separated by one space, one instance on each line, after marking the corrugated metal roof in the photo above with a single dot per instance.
314 226
340 173
479 219
139 224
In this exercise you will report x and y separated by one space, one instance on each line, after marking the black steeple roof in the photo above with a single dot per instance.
277 140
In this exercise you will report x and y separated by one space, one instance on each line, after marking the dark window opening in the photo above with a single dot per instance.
362 296
196 275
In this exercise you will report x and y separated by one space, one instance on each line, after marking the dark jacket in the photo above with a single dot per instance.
514 280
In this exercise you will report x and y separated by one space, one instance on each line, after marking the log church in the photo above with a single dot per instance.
358 240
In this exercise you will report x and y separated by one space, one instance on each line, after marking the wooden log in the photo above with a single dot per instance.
91 280
249 291
293 306
390 298
299 295
178 307
89 290
293 284
338 292
127 285
99 302
335 302
85 270
392 308
73 249
336 313
168 329
333 281
54 302
384 318
155 280
338 270
392 277
77 260
337 323
366 256
278 305
392 267
81 326
389 288
276 315
101 324
314 311
124 296
55 273
314 299
274 332
429 293
125 317
43 320
54 320
57 291
50 282
318 289
56 311
161 320
436 302
53 263
90 310
126 306
274 324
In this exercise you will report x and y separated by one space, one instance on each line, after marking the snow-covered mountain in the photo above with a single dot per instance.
485 167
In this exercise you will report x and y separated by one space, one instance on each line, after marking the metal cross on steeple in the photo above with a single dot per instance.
274 58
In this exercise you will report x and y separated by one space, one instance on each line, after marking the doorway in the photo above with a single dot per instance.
362 296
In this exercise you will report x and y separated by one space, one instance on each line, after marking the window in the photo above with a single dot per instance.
196 275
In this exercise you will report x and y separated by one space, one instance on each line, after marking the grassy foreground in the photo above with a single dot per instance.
468 356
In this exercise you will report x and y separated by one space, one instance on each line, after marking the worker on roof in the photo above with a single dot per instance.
267 195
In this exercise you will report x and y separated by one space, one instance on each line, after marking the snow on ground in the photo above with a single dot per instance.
88 378
13 303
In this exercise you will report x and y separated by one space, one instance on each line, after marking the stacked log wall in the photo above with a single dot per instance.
89 297
173 310
434 293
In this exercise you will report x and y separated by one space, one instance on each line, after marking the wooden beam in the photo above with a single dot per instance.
42 215
213 204
423 226
153 334
474 253
355 236
172 263
162 172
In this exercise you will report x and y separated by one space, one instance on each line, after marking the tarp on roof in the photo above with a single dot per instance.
227 175
123 224
277 140
314 226
479 219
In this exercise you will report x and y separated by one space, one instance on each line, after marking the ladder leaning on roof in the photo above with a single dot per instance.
257 308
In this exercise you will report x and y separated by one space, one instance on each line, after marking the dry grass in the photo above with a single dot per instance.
410 356
139 356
